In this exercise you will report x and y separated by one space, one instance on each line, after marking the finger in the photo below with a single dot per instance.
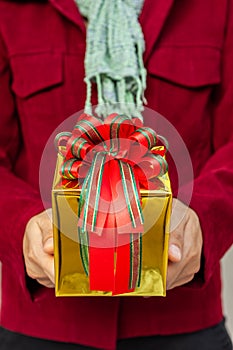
48 234
49 212
184 280
179 212
177 274
35 272
45 282
180 282
193 230
47 230
172 275
48 267
46 227
175 245
177 227
191 266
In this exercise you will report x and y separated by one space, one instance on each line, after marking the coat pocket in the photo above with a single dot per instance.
33 73
190 67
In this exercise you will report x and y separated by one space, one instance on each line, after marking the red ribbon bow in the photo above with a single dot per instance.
113 160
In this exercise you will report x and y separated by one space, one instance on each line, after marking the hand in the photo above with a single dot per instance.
38 249
185 245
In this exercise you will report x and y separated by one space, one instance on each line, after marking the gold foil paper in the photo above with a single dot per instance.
70 278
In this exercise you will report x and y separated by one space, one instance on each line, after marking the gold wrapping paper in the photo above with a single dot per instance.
70 278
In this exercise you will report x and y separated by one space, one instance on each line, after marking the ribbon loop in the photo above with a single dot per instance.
60 140
80 147
90 128
145 136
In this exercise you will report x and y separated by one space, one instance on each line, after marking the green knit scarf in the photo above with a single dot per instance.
113 59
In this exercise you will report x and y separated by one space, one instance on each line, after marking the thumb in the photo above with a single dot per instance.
46 227
48 246
175 246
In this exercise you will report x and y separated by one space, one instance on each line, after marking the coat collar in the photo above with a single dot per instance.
152 18
69 9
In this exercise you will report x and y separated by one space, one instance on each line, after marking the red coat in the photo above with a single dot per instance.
189 57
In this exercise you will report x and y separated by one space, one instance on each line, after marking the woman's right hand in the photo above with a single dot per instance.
38 248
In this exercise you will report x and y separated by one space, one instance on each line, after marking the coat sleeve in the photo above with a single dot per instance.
18 201
212 197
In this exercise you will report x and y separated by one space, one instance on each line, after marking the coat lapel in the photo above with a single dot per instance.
69 9
152 19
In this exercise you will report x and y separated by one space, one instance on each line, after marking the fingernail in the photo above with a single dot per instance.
175 251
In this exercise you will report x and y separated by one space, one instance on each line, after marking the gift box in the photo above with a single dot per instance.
120 259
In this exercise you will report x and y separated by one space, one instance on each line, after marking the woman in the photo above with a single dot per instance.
189 50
